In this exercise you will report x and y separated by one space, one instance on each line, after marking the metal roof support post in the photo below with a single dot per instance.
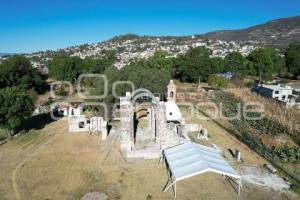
175 189
240 182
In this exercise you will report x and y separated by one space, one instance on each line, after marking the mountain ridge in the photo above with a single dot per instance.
278 32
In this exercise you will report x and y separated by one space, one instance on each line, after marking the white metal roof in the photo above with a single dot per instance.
190 159
277 87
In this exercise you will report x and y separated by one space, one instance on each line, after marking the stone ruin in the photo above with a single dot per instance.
161 131
137 142
78 122
157 136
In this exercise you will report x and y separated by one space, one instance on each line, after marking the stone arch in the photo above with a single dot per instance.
150 113
139 93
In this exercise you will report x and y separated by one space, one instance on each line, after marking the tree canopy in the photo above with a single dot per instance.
235 62
154 80
195 64
264 60
16 107
17 71
292 59
66 68
161 61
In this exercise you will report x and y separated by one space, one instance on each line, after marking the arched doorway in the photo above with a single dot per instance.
144 118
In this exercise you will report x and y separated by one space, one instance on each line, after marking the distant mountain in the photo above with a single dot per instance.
279 32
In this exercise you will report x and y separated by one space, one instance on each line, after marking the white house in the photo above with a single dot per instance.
282 93
278 92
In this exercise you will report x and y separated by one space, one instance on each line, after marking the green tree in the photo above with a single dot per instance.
152 79
217 65
292 59
65 68
17 71
264 60
16 107
161 61
194 64
235 62
98 65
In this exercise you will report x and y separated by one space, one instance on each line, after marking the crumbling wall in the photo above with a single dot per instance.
164 133
126 118
167 133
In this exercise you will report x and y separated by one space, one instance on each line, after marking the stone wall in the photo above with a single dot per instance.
126 118
164 134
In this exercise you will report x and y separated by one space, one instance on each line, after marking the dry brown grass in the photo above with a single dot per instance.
288 117
56 164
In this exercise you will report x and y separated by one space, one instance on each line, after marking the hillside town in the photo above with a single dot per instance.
129 50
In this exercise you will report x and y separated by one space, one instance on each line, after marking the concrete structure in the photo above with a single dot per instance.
237 155
278 92
78 122
203 134
282 93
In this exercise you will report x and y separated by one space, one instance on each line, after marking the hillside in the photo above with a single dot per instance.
130 47
278 32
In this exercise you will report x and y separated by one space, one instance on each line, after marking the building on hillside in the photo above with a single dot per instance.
41 67
282 93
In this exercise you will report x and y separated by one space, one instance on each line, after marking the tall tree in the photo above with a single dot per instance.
17 71
161 61
194 64
65 68
264 60
16 107
292 59
235 62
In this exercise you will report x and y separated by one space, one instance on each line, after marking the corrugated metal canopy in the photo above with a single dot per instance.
191 159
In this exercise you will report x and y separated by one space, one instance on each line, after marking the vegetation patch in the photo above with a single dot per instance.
286 158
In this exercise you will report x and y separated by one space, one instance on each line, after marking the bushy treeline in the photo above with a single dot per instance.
66 68
154 80
195 64
199 63
18 85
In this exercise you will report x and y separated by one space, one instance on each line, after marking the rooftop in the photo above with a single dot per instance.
277 87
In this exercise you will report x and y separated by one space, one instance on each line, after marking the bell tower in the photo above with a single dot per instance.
171 91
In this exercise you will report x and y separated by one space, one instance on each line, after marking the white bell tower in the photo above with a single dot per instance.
171 91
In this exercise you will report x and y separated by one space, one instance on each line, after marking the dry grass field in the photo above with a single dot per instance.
51 163
288 117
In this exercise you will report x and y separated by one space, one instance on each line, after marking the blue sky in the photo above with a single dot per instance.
32 25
